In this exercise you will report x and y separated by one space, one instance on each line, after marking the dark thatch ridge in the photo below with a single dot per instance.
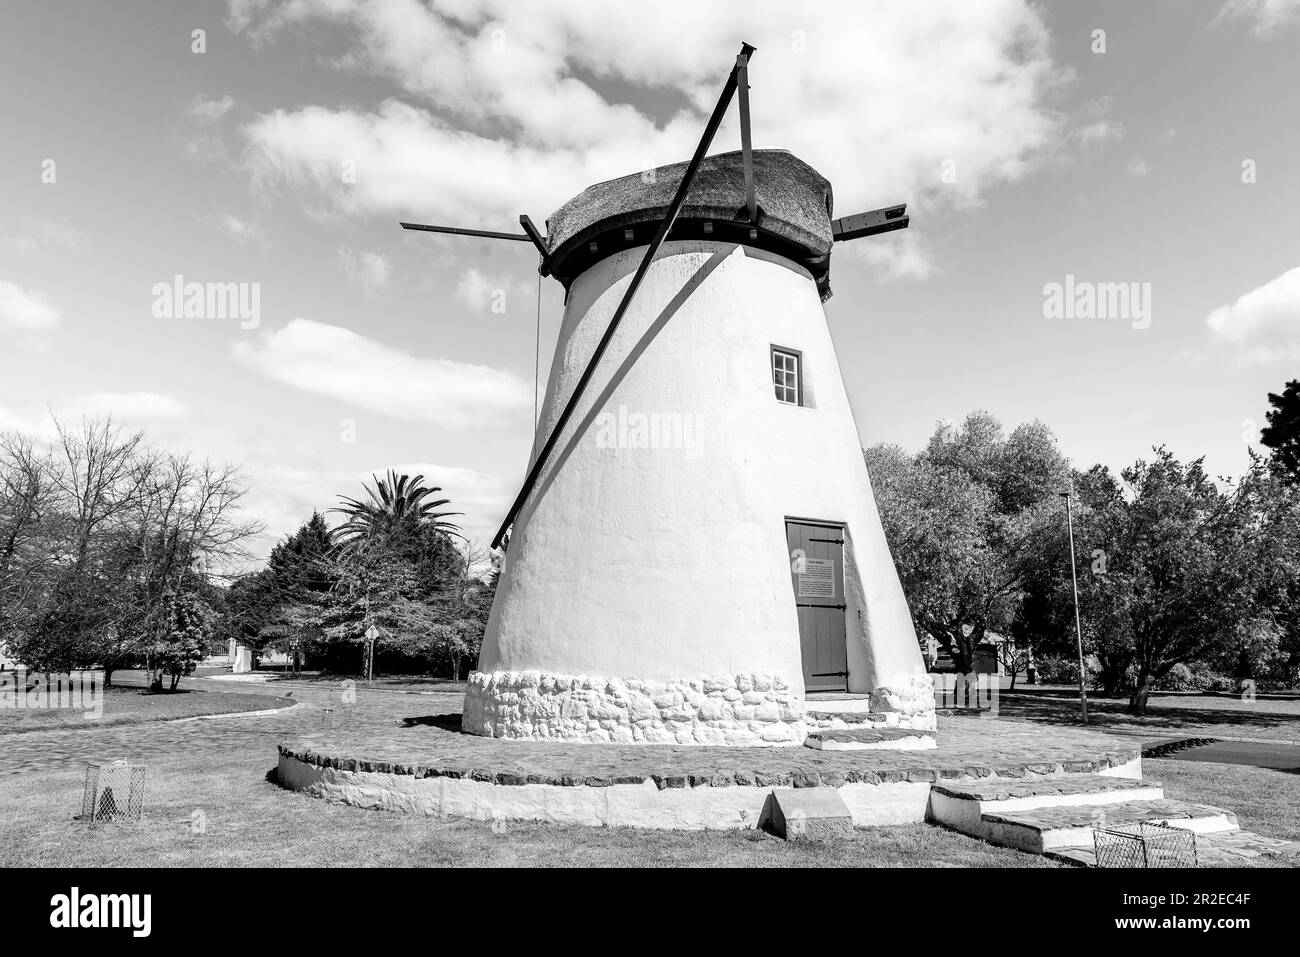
794 200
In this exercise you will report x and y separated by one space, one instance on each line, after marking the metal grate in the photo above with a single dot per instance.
113 792
1145 844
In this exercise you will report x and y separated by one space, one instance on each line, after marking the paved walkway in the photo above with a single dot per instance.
431 743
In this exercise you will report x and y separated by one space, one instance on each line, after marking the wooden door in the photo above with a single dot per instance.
817 577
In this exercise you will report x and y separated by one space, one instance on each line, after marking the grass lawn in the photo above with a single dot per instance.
1201 715
1264 800
217 773
252 822
134 706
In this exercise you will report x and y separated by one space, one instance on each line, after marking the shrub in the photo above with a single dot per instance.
1178 678
1057 671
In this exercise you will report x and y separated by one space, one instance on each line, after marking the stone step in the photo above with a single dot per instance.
962 806
807 814
870 739
1052 828
848 717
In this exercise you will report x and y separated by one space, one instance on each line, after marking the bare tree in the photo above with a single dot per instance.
27 514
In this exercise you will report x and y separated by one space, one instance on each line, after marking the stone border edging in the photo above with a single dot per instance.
798 779
1173 747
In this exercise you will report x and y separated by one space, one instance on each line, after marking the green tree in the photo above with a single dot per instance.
1176 577
393 506
964 521
1282 434
183 638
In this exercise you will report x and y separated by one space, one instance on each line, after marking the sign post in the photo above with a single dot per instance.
372 633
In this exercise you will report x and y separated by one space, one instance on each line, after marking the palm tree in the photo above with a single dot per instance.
396 502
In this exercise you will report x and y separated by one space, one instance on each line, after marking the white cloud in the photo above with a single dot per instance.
367 269
1137 167
1267 16
330 360
241 12
133 407
240 230
1263 325
203 108
48 234
905 256
1098 132
24 310
498 293
875 96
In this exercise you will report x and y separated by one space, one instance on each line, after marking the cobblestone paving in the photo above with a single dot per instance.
968 747
1003 790
1068 816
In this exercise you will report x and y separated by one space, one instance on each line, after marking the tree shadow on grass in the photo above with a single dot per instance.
445 722
1110 711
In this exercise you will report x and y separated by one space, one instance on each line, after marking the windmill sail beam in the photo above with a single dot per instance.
679 199
461 231
883 220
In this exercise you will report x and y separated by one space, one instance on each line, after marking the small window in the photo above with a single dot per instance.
787 375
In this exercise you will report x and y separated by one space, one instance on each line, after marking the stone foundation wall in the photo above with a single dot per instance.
757 709
911 700
736 710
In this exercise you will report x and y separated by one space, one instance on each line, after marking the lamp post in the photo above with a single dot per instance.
1078 626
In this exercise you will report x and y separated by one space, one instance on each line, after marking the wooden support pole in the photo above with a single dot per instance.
728 91
746 144
538 240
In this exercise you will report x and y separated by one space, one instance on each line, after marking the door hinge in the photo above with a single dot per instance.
833 541
809 604
828 674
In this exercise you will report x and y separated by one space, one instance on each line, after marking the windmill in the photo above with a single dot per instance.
696 546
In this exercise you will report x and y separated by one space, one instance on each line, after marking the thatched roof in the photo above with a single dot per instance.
793 198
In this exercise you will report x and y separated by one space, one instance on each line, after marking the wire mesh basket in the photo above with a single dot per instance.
1144 844
339 718
114 793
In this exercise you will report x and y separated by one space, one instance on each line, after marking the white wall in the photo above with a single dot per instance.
670 563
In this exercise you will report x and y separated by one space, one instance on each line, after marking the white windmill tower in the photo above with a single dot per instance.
696 546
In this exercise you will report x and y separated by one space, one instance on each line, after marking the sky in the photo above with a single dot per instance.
276 145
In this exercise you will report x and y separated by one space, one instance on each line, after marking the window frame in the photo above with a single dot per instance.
797 356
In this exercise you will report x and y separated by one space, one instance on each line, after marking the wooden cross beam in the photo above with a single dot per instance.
531 234
883 220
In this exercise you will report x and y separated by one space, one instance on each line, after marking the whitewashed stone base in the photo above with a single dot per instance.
622 805
756 710
912 700
752 709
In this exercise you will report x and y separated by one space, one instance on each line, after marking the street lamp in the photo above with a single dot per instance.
1078 626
